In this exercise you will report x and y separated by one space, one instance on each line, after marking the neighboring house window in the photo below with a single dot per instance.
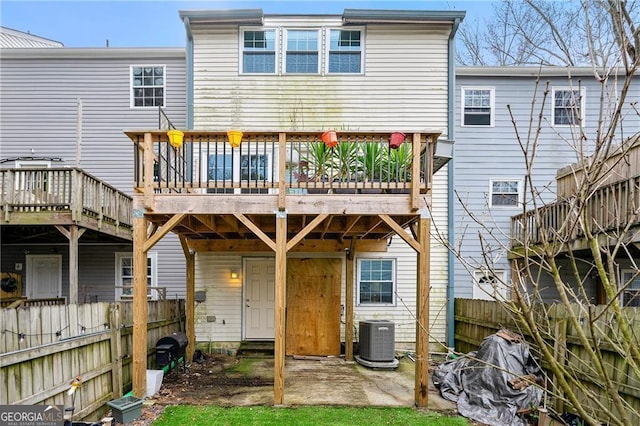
302 51
376 283
504 193
567 107
147 85
124 275
477 106
489 285
631 294
259 52
345 51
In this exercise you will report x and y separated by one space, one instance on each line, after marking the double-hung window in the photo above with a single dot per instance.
376 281
124 275
477 106
504 193
631 294
259 51
567 106
302 52
345 51
147 86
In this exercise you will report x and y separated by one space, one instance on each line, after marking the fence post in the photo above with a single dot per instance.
116 349
560 354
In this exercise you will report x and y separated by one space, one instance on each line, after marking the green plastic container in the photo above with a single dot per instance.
126 409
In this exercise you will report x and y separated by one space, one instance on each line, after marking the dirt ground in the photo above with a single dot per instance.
232 381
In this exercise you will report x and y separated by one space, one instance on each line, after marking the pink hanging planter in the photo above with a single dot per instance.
330 138
396 139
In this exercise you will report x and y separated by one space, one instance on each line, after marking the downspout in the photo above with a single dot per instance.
189 88
450 181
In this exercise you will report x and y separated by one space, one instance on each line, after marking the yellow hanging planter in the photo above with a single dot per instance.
235 138
176 137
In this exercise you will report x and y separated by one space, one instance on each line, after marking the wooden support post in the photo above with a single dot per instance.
72 234
422 305
140 306
282 179
348 312
191 305
280 296
415 172
148 171
73 264
116 350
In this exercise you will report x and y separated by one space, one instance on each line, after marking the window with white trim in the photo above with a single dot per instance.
505 192
124 275
302 55
489 285
376 281
302 51
477 106
345 51
259 51
631 293
147 86
567 106
252 170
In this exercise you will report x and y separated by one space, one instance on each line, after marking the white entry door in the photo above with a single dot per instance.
44 276
259 299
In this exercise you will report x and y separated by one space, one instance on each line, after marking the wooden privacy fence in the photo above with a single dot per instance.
477 319
43 348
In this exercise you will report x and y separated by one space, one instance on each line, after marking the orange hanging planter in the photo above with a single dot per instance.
176 137
330 138
396 140
235 138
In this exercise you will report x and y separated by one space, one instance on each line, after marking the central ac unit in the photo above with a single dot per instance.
377 340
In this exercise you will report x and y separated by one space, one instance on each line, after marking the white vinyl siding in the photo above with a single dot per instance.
412 96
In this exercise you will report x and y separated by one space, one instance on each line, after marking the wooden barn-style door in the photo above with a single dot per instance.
313 306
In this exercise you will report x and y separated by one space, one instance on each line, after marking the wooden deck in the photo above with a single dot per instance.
612 207
64 196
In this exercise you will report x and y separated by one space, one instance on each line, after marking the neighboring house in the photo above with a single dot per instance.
10 38
489 165
246 216
67 167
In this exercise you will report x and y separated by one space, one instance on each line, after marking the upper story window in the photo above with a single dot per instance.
376 283
259 52
567 106
345 51
477 106
505 193
302 51
147 85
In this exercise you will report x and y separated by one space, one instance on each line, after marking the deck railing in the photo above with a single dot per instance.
611 207
296 162
63 190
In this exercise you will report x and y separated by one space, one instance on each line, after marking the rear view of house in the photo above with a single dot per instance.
286 229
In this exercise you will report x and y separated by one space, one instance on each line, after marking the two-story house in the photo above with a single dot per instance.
66 166
268 257
490 166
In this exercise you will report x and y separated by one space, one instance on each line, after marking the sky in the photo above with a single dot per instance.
128 23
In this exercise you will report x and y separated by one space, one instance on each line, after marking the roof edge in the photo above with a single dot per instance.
231 16
525 71
91 52
368 16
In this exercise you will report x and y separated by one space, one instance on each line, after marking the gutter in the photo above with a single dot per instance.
450 181
189 71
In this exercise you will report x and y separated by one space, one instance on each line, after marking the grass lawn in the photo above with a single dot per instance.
211 415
